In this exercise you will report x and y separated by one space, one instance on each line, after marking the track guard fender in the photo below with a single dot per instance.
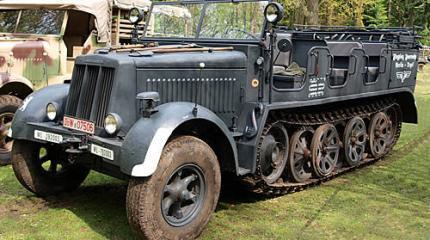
144 143
409 107
33 108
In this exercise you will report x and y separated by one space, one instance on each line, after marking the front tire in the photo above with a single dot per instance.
176 202
44 170
8 106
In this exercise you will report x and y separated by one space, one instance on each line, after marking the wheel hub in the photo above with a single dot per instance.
183 195
5 125
178 188
306 153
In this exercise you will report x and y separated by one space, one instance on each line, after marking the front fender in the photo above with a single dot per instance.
145 141
33 108
15 85
11 78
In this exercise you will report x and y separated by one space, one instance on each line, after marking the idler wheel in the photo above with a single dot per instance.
325 150
274 153
355 137
394 114
300 160
381 134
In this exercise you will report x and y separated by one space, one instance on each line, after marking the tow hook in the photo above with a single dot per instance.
76 145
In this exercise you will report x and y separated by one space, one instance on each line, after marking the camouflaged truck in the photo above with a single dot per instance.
217 88
40 40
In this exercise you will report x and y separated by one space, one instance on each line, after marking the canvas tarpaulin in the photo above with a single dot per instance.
100 9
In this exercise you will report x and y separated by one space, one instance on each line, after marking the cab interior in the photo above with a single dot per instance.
346 56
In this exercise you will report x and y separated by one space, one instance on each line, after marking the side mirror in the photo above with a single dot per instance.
147 103
274 12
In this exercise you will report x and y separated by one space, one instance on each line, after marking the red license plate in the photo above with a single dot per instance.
79 125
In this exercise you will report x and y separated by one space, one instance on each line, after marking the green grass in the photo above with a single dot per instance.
388 200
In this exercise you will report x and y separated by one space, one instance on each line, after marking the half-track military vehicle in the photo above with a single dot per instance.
216 88
40 40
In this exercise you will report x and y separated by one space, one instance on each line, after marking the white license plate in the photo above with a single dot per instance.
47 136
102 152
79 125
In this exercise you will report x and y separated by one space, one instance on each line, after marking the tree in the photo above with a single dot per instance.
312 17
376 14
358 10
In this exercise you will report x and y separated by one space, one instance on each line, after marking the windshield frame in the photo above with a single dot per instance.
204 4
15 33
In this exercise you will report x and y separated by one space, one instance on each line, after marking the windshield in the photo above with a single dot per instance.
31 21
221 20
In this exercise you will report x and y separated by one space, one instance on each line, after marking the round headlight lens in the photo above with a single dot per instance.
135 15
274 12
51 111
112 123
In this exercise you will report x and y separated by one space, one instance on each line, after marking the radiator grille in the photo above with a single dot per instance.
103 96
89 93
75 90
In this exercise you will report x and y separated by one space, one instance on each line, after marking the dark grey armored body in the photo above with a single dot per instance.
279 111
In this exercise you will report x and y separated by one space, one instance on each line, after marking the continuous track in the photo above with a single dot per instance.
336 116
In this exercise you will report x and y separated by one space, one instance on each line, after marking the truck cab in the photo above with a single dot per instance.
39 45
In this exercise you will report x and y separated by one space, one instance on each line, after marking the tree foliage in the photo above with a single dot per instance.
375 13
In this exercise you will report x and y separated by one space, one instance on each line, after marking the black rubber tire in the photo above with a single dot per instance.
144 194
8 104
30 174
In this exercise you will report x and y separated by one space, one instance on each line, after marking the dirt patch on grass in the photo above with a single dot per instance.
21 207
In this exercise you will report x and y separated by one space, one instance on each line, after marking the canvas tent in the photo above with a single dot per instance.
100 9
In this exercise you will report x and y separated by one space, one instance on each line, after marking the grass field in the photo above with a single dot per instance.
388 200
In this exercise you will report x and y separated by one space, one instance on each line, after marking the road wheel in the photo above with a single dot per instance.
355 138
325 150
274 153
44 169
177 201
300 160
381 134
8 106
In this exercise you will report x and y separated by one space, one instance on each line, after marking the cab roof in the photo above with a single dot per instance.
100 9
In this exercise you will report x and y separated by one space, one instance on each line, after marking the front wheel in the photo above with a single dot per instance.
177 201
8 106
44 170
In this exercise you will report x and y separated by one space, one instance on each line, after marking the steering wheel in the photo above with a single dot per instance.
248 34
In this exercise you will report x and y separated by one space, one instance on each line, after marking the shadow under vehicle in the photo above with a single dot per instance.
217 87
40 40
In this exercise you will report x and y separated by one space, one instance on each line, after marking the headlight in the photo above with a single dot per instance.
135 15
51 111
274 12
112 123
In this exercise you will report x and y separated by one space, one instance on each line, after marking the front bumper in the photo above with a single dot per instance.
75 142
